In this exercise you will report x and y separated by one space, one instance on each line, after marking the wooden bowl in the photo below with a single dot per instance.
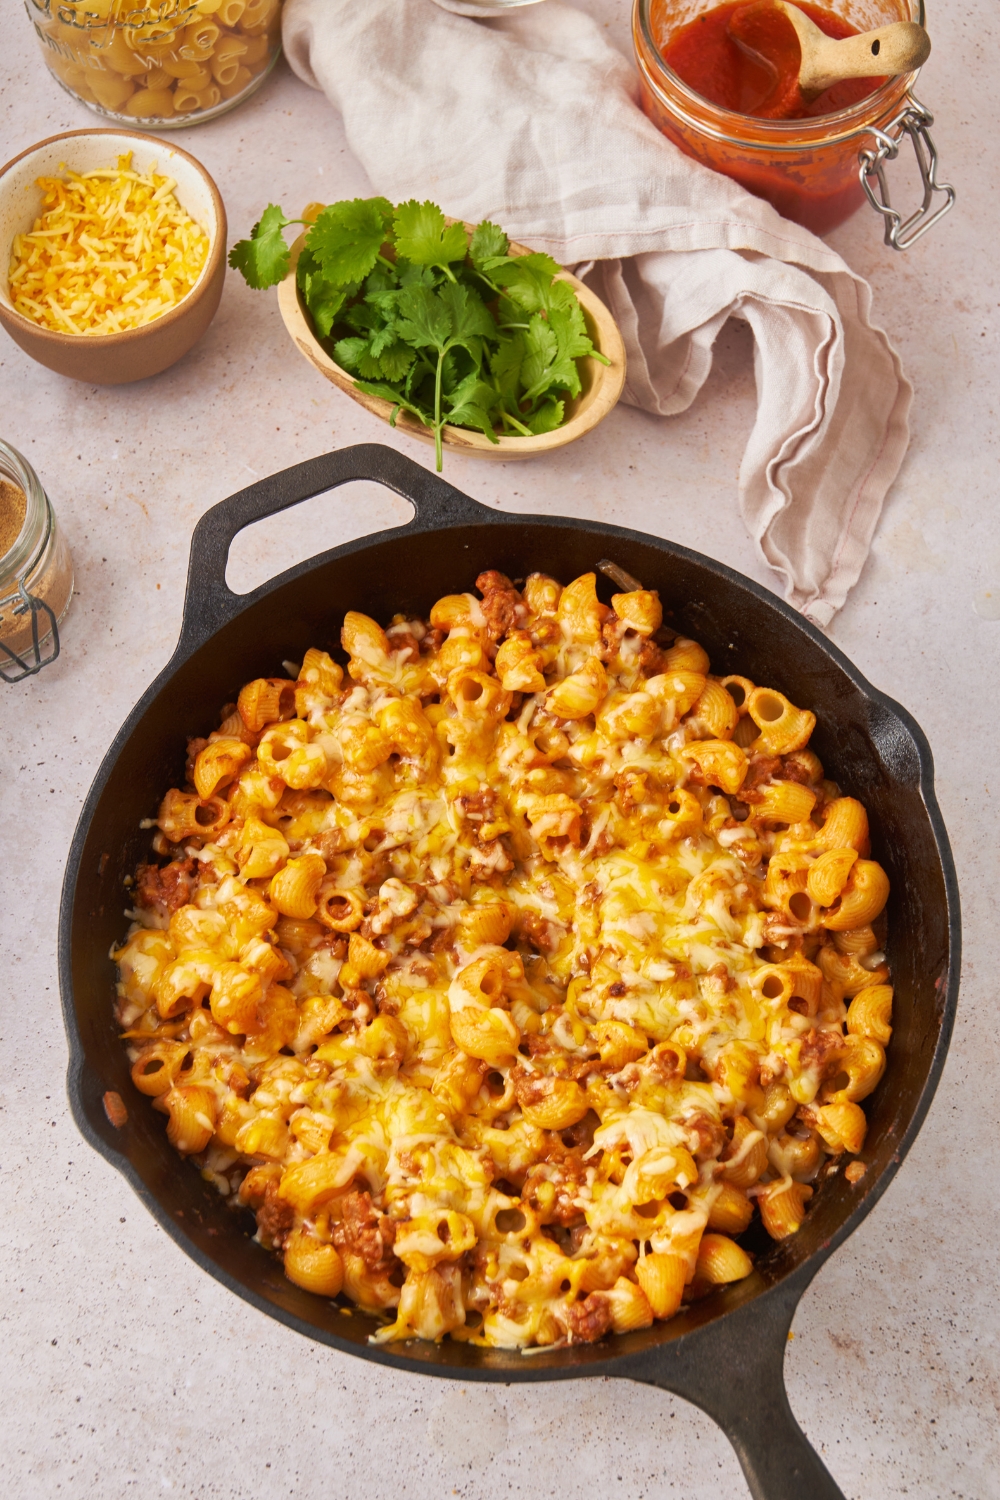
602 384
113 358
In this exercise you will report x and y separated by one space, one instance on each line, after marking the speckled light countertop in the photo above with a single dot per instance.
124 1369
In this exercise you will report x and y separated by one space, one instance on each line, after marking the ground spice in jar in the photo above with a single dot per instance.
13 504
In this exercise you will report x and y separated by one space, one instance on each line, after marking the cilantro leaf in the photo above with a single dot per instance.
470 404
470 319
423 237
347 237
456 367
546 364
561 297
381 281
387 393
382 338
471 415
528 281
366 316
473 389
541 351
411 275
547 418
324 303
420 371
395 359
488 243
323 300
424 320
505 366
263 258
350 353
570 329
373 358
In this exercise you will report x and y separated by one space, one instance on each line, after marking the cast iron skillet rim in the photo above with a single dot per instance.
791 1285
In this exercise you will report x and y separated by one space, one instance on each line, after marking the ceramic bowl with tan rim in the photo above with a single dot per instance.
602 384
112 358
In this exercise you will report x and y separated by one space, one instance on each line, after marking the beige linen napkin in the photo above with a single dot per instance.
530 119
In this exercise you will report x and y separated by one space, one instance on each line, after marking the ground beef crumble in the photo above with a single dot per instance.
274 1217
501 603
165 888
589 1320
363 1231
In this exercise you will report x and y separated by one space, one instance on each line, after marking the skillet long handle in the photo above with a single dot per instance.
209 603
734 1370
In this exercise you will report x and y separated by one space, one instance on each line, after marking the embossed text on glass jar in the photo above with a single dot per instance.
169 64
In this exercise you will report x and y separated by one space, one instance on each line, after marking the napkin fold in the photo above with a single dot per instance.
530 119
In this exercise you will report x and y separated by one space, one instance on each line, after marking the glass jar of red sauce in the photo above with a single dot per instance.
816 170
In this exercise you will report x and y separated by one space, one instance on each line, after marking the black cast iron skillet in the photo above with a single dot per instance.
726 1353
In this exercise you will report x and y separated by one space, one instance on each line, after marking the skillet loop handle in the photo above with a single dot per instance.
734 1371
209 603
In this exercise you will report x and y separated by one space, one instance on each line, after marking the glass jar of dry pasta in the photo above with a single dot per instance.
170 63
36 572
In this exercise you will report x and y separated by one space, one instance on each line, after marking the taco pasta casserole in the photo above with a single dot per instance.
507 972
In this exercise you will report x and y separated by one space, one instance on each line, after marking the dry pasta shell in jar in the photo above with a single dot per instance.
169 65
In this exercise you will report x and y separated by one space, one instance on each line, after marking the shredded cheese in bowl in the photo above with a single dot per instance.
112 250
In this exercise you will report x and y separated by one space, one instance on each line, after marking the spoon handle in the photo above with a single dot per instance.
900 47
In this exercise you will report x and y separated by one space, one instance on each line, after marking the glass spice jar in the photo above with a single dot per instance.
169 64
36 572
816 171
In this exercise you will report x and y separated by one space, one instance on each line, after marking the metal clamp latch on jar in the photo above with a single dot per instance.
33 661
913 121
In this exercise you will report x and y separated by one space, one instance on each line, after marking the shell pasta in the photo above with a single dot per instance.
504 974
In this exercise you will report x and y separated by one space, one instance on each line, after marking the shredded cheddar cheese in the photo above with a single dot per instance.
113 250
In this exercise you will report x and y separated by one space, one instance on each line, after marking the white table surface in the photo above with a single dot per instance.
124 1369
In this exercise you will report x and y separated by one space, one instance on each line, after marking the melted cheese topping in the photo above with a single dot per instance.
112 250
504 975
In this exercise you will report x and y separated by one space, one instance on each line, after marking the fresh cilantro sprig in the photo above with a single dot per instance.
263 258
425 238
451 328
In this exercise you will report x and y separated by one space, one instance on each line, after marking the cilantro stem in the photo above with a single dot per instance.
510 421
382 261
438 424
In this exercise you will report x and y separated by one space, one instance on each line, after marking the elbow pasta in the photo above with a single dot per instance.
174 60
498 979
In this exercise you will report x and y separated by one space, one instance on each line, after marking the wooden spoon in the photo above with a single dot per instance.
807 61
